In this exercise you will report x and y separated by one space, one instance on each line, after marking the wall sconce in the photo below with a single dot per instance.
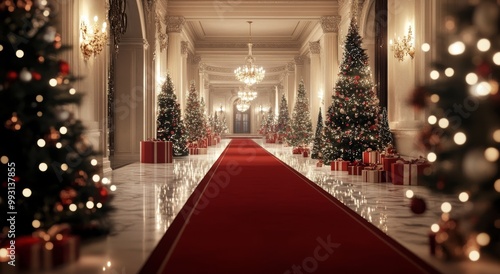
221 109
403 47
320 96
93 38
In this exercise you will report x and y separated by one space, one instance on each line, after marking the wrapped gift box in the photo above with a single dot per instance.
370 156
203 143
193 150
355 169
374 175
156 151
305 153
397 171
319 163
60 251
29 253
412 170
202 150
339 165
210 140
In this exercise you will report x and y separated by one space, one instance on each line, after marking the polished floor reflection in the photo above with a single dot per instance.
149 196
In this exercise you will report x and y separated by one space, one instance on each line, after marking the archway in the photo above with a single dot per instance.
241 119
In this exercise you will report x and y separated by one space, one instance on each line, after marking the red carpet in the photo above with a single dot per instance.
253 214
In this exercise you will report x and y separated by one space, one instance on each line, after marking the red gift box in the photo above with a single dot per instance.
397 171
370 156
156 151
203 143
29 253
412 170
319 163
355 169
202 150
193 150
339 165
305 153
210 140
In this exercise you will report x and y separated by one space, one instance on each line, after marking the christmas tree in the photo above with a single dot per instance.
263 123
283 123
270 123
385 131
223 124
49 171
462 134
195 129
206 125
331 137
316 152
170 126
353 120
301 127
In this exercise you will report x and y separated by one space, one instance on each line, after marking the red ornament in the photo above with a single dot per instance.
417 205
171 132
356 77
35 75
11 75
103 193
63 67
483 69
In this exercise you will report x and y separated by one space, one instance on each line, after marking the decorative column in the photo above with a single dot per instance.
315 79
292 87
284 85
330 26
174 26
183 68
201 79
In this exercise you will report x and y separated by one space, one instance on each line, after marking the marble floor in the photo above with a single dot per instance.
149 196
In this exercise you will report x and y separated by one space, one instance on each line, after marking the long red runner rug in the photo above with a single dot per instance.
253 214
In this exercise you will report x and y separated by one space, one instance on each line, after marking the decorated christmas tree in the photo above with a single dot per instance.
270 123
316 152
50 174
462 134
301 126
195 129
385 131
283 123
263 123
223 124
204 118
170 126
353 120
331 135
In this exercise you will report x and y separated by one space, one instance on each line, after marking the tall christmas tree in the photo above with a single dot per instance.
316 152
331 135
283 123
354 110
204 118
385 131
170 126
270 123
48 167
195 129
462 135
301 126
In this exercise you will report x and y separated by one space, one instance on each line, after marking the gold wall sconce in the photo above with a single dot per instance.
93 38
402 47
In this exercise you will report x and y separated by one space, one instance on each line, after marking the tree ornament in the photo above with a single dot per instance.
81 178
67 195
11 75
417 205
25 75
36 76
63 67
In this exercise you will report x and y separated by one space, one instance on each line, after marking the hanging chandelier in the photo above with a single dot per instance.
242 105
249 73
247 94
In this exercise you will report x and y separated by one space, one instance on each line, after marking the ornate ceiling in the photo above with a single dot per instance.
218 32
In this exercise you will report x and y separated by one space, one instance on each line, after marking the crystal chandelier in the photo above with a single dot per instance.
242 105
249 73
247 94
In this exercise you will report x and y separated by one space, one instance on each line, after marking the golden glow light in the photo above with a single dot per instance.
402 47
92 39
409 193
36 223
249 73
73 207
474 255
63 130
491 154
432 119
43 167
432 157
449 72
483 239
497 185
463 197
26 192
471 78
425 47
496 58
435 228
460 138
456 48
40 142
434 75
446 207
19 53
483 45
434 98
112 188
444 123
